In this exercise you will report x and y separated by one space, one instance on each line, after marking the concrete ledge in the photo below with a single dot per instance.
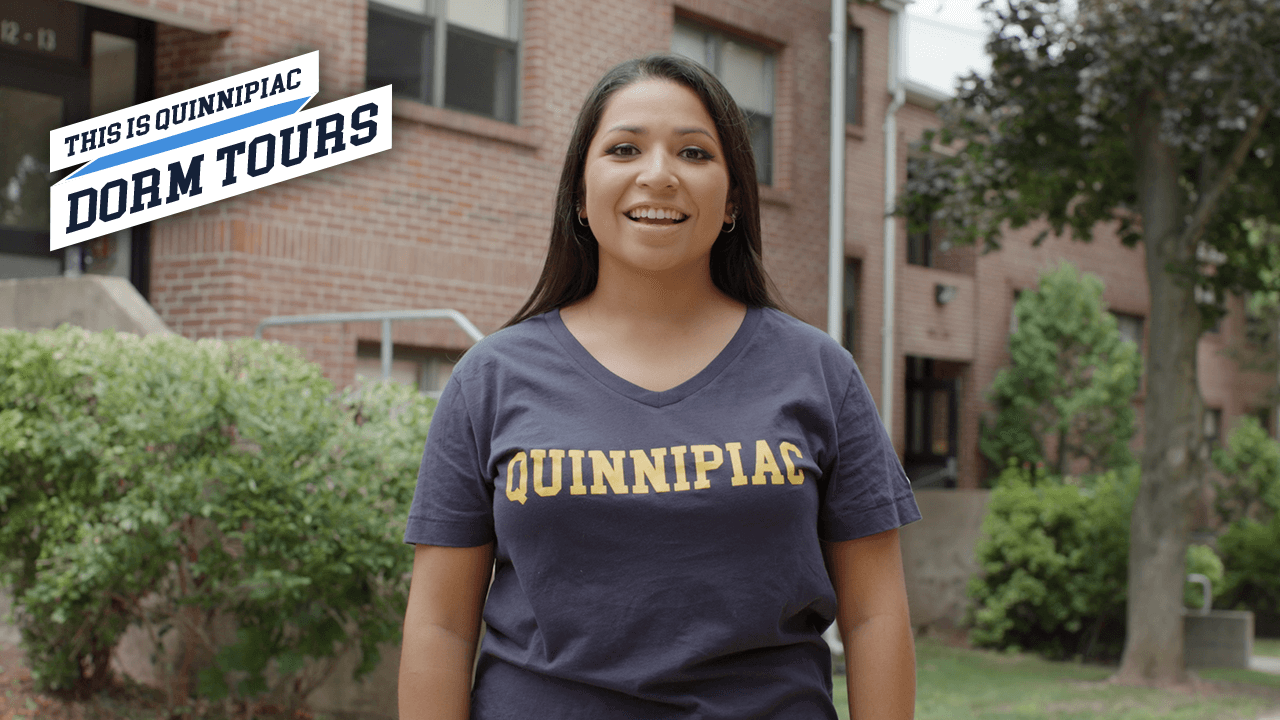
938 555
93 302
373 698
1220 639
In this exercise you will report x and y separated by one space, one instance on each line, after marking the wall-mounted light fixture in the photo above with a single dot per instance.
944 294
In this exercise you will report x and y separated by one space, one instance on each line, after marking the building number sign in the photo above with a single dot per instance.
45 28
45 38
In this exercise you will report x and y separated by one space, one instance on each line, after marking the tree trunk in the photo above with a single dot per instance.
1171 464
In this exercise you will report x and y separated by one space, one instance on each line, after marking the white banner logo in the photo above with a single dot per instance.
205 144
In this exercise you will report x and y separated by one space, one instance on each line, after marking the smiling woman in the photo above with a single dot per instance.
674 486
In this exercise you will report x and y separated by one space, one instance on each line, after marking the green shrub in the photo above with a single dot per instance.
177 484
1251 555
1248 498
1250 467
1053 565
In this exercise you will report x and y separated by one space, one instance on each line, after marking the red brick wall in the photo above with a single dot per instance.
457 214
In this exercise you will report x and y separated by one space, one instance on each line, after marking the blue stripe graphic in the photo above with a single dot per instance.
190 137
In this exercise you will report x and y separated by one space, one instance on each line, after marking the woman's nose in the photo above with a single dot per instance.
657 171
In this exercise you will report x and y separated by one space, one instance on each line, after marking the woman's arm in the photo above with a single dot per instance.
875 627
441 626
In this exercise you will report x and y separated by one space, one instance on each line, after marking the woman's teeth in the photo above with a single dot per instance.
655 214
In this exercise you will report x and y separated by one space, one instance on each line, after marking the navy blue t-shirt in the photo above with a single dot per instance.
657 553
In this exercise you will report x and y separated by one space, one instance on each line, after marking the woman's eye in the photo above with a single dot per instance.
624 149
695 153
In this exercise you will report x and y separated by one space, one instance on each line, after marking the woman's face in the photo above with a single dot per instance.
656 181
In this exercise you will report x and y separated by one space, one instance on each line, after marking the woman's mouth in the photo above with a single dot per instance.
656 216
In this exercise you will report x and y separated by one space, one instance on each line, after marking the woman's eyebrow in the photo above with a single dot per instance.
638 130
692 130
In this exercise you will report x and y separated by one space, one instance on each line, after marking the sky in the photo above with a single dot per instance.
945 39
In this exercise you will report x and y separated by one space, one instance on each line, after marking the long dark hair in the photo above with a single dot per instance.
572 264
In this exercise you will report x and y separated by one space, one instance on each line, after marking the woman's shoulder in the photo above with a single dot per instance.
801 337
522 342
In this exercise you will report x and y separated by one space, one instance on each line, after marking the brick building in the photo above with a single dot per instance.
458 213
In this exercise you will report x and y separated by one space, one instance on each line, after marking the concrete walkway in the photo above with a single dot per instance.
1265 664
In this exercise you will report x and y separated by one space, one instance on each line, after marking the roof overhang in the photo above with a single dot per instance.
208 22
925 96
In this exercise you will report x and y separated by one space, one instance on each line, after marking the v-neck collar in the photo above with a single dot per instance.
653 398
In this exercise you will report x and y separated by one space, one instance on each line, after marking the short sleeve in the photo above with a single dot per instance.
453 502
867 490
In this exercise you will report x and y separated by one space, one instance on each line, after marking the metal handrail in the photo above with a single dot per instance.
385 316
948 472
1206 587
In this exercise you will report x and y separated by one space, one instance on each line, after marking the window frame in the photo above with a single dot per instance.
713 40
921 383
436 16
853 91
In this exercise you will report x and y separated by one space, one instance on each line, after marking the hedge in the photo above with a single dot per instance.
184 487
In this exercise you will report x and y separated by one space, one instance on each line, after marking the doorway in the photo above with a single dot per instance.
933 409
60 63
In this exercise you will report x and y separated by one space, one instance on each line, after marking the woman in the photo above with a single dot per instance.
676 480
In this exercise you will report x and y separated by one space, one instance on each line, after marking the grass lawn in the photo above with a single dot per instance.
960 684
1266 646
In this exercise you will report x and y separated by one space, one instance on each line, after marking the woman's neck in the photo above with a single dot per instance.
664 299
655 331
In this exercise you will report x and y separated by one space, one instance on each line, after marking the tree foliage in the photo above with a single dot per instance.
1071 378
218 495
1049 134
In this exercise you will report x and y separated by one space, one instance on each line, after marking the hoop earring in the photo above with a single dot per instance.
734 218
581 221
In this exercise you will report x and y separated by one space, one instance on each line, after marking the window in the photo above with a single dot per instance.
747 71
852 275
1130 327
1207 300
427 370
920 247
1212 425
927 244
853 77
462 58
